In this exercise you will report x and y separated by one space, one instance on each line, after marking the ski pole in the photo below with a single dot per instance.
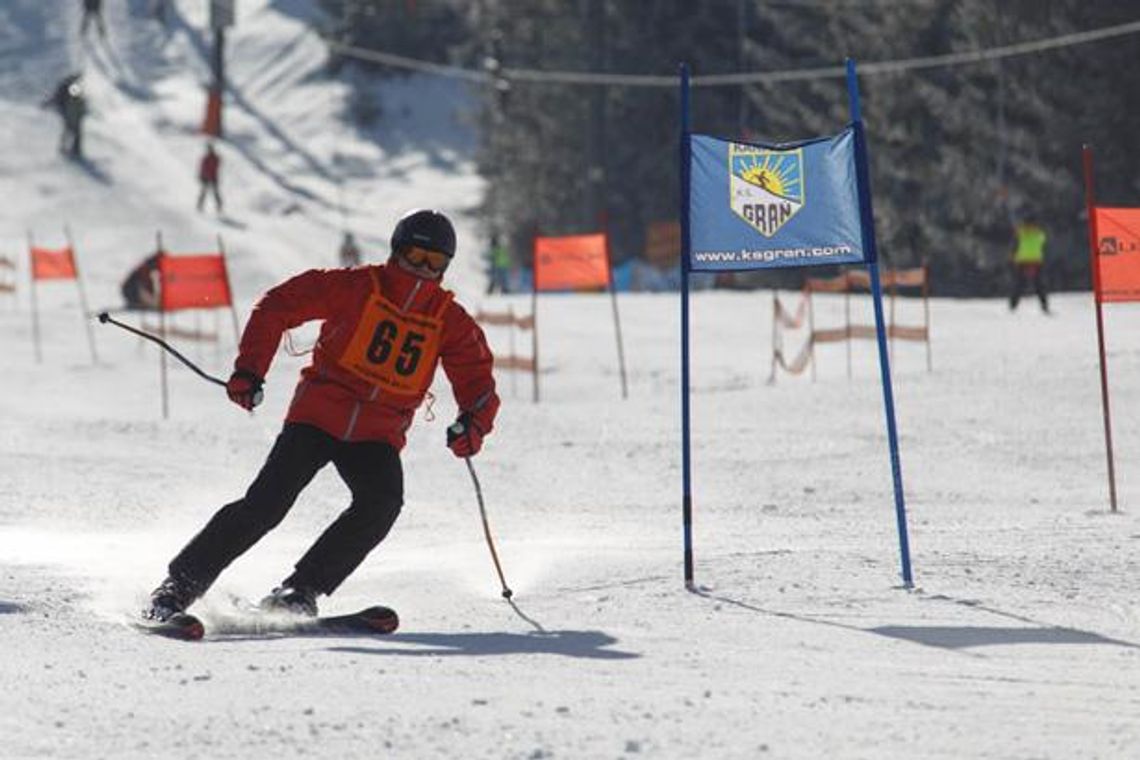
104 318
507 593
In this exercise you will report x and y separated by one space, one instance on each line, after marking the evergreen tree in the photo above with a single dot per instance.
957 152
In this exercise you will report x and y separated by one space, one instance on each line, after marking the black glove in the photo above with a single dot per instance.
244 389
464 437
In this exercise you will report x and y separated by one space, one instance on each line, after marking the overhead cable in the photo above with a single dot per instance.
509 74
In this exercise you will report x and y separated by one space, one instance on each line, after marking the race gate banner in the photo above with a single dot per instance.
758 206
1118 254
53 264
195 281
573 262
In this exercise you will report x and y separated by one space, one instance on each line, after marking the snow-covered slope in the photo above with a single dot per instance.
294 173
1020 641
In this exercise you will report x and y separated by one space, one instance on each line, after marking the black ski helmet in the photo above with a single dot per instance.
426 228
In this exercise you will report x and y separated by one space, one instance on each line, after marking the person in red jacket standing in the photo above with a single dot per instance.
385 330
208 171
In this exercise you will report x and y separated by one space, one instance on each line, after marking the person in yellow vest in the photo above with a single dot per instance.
1029 263
499 258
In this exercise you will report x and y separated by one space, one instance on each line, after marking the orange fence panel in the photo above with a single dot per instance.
828 285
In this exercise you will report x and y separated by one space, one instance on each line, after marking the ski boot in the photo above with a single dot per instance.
171 598
294 600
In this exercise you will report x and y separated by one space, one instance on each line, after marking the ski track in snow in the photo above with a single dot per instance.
1020 639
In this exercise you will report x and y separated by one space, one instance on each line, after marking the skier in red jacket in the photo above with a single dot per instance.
208 171
386 328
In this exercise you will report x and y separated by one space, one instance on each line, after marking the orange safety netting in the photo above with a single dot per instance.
9 265
906 332
1118 254
861 280
786 319
914 278
793 367
523 363
505 318
194 282
574 262
53 264
839 284
509 319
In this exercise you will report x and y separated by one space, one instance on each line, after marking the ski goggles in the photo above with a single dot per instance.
436 261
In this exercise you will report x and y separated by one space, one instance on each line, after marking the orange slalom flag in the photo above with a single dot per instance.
53 264
198 281
1118 254
573 262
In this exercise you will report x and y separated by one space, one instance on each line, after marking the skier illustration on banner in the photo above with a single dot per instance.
767 186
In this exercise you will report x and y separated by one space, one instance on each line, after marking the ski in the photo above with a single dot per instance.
186 627
181 625
254 621
369 620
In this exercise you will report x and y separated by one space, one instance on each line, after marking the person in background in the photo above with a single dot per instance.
209 169
70 103
1028 262
92 12
385 330
141 288
349 251
500 261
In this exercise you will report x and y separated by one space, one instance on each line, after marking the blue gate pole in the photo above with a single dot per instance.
686 459
867 222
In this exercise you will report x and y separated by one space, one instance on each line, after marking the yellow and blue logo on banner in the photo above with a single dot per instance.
749 206
766 187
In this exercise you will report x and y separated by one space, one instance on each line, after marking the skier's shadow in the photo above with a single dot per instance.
91 169
10 608
580 644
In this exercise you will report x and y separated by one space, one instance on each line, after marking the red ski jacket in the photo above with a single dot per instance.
208 168
385 331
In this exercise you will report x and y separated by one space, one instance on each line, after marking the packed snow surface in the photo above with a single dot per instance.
1020 638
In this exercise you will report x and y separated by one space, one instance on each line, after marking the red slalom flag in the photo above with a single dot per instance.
194 282
574 262
53 264
1117 254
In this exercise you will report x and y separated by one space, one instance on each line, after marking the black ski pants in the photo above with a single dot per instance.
1031 274
373 474
210 187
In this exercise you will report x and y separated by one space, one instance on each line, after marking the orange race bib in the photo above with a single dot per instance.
394 350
